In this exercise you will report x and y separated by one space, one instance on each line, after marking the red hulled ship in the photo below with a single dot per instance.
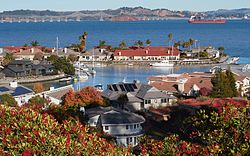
194 19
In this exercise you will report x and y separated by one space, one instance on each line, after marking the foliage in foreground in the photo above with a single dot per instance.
24 131
212 131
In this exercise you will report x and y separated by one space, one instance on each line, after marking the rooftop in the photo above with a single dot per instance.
114 116
14 91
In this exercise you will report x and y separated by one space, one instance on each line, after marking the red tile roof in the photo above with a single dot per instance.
201 82
167 86
148 51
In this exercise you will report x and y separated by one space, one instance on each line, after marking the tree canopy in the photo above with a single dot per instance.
87 96
63 64
223 85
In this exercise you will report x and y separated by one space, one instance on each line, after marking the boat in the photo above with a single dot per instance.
66 79
92 72
99 87
82 77
233 60
164 63
80 66
195 19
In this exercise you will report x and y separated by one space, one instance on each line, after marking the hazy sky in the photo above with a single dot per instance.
193 5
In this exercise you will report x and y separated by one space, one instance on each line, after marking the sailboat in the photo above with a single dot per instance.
93 72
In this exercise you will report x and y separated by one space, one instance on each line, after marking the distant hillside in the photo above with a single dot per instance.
139 13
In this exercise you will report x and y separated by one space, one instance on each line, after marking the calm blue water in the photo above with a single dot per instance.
234 35
115 74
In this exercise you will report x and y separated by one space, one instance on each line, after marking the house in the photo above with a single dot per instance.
28 54
125 127
20 93
22 68
243 85
187 84
136 96
96 54
18 68
55 95
147 53
190 84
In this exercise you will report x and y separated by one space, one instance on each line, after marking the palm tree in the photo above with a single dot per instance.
185 44
139 43
34 43
177 44
82 40
148 42
221 49
25 45
102 43
170 38
122 45
191 42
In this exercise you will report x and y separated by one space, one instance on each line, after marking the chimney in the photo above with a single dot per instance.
13 84
181 85
32 50
146 52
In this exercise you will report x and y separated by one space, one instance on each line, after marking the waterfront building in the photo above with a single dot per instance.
190 84
147 53
136 96
243 84
55 95
125 127
20 93
96 54
22 68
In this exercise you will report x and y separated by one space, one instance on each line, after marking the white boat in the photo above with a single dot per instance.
82 77
233 60
164 63
67 79
92 72
99 87
81 66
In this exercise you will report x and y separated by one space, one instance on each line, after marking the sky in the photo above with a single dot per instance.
75 5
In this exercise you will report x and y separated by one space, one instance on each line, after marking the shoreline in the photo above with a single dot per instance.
27 80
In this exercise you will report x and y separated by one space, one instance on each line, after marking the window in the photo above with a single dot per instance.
134 126
163 100
135 140
127 127
106 128
131 126
130 139
127 141
137 125
147 101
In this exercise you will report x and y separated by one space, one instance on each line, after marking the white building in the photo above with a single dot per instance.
55 95
20 93
243 85
124 126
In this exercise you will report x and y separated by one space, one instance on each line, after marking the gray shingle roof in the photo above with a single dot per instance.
148 92
114 116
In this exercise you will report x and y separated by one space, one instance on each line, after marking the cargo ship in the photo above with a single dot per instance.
194 19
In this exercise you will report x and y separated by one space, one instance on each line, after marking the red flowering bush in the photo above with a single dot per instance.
27 132
227 128
85 97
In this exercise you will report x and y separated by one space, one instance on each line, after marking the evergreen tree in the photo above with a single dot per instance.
223 85
231 80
